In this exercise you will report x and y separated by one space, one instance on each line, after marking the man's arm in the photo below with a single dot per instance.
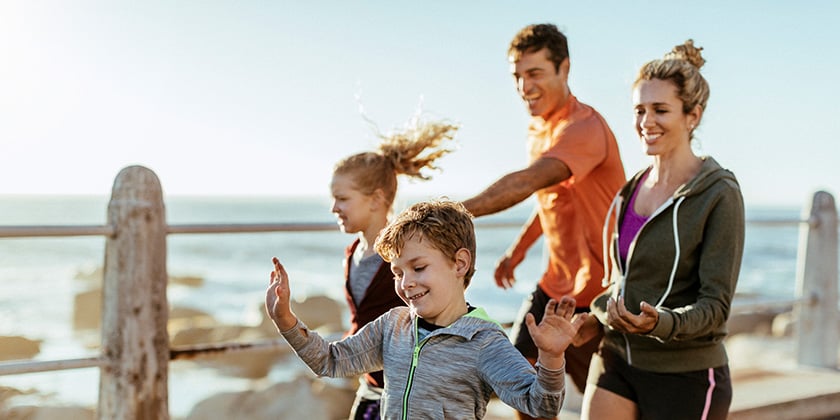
516 254
515 187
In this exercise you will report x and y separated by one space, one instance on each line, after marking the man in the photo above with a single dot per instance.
575 170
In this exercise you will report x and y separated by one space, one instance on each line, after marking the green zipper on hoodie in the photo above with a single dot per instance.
414 357
475 313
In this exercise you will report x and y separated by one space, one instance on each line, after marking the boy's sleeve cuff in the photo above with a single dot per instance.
296 334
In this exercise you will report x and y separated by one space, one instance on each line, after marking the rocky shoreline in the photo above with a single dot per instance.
756 339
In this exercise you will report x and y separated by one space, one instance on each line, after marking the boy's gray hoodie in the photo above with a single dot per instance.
685 261
449 374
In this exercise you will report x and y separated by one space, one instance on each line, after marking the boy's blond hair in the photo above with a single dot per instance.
447 225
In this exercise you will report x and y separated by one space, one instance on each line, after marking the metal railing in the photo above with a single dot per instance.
134 313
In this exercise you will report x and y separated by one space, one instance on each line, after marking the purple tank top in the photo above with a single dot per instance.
630 225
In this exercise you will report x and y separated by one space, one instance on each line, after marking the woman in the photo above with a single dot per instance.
675 253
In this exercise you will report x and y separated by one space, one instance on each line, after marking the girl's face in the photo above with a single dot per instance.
661 124
352 208
431 283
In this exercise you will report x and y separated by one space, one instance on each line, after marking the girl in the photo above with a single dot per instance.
363 189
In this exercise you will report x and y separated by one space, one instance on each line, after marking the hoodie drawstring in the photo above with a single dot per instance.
676 252
605 244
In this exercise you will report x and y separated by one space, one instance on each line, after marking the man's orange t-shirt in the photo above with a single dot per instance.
572 212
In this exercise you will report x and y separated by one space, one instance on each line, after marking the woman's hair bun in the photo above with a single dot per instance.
688 52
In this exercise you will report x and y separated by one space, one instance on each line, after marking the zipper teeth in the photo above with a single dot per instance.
414 357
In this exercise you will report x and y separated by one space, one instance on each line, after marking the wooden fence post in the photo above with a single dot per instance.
135 344
816 282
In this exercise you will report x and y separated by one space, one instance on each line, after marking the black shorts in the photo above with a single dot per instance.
699 394
577 358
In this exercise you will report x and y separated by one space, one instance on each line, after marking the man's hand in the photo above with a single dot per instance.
504 272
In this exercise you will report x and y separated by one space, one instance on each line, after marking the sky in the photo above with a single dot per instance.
261 98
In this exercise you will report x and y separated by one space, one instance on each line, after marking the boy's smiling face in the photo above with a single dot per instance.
429 282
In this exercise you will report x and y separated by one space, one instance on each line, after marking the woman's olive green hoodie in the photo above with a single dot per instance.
685 261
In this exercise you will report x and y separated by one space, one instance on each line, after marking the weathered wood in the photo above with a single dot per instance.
135 344
816 282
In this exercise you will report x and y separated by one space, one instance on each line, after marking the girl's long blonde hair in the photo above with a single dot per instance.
406 152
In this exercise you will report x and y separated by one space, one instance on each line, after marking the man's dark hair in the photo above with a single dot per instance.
535 37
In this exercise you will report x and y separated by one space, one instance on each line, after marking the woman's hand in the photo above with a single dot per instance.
622 320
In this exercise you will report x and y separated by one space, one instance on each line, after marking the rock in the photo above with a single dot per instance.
184 318
87 309
748 351
783 325
207 335
184 312
87 312
8 392
750 323
191 281
251 364
94 277
47 413
318 312
18 347
302 398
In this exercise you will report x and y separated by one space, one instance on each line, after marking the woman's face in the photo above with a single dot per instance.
661 124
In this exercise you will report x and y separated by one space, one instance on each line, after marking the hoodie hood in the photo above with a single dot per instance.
710 173
469 325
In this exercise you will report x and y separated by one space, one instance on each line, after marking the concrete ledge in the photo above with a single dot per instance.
758 394
802 393
818 407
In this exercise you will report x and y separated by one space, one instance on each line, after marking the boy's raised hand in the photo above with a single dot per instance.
277 298
556 330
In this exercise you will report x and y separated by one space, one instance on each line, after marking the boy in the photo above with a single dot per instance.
441 357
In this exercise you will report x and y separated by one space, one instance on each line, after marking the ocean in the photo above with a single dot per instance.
39 277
